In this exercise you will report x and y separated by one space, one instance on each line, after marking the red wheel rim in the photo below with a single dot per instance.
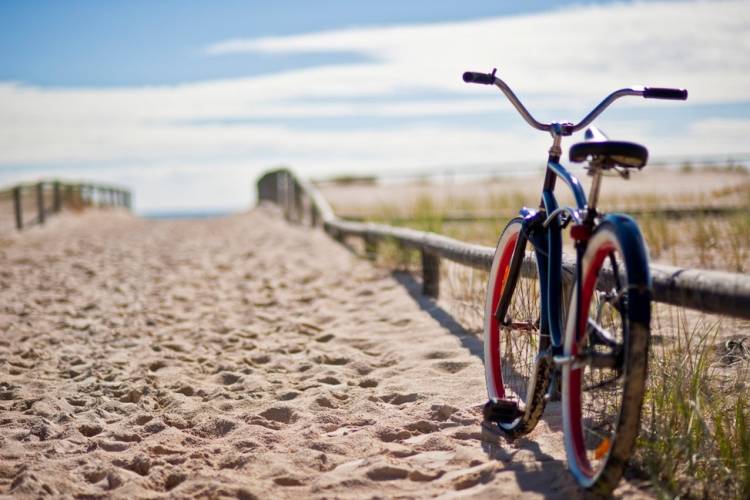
574 381
497 291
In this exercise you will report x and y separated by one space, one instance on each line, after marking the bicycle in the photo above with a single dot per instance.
599 365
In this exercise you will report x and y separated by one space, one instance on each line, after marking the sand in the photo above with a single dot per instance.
241 357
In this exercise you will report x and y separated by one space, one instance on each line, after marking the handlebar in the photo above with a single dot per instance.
474 77
661 93
569 128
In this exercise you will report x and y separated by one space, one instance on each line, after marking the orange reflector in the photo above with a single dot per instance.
505 278
602 449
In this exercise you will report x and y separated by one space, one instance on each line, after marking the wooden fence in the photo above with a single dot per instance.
33 203
713 292
672 212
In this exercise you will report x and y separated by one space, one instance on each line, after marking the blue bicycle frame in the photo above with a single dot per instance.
547 246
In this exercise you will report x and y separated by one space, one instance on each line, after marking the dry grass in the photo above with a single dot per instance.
695 440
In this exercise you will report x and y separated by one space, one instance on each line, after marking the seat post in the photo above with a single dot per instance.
595 171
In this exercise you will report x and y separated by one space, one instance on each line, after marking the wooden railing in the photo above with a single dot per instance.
713 292
33 203
671 212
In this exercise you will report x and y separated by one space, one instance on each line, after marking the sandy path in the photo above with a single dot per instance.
239 358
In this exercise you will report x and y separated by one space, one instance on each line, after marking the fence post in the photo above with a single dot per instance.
18 207
56 199
371 248
313 215
430 274
290 197
40 201
68 195
281 191
298 208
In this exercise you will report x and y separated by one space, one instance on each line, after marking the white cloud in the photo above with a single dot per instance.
579 52
561 61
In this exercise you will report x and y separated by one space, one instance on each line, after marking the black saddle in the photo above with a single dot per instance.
608 153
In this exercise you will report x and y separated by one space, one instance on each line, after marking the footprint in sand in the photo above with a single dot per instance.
94 476
186 390
157 365
215 428
466 478
114 446
281 414
229 378
288 396
387 473
325 359
451 366
442 412
90 429
422 427
324 402
142 419
288 481
399 399
126 437
391 434
368 383
174 479
440 355
140 464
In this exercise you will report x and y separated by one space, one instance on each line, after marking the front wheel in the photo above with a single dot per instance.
517 376
606 348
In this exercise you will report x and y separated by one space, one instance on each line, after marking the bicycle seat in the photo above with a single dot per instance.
598 147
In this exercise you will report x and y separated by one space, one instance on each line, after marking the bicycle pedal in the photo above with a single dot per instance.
501 411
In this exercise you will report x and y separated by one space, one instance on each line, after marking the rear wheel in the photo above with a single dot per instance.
603 389
515 379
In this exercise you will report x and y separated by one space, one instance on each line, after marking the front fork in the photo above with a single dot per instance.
529 232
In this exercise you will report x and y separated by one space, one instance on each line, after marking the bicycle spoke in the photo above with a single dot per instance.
519 339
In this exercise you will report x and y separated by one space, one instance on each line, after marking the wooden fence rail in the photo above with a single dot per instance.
49 197
713 292
671 212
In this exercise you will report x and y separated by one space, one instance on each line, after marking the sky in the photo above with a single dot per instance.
188 102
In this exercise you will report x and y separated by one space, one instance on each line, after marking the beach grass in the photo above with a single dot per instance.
695 440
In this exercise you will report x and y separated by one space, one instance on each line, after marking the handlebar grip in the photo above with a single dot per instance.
662 93
485 78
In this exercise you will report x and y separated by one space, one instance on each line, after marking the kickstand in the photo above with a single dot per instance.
502 411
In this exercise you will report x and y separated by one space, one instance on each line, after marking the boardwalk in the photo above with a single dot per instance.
241 358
